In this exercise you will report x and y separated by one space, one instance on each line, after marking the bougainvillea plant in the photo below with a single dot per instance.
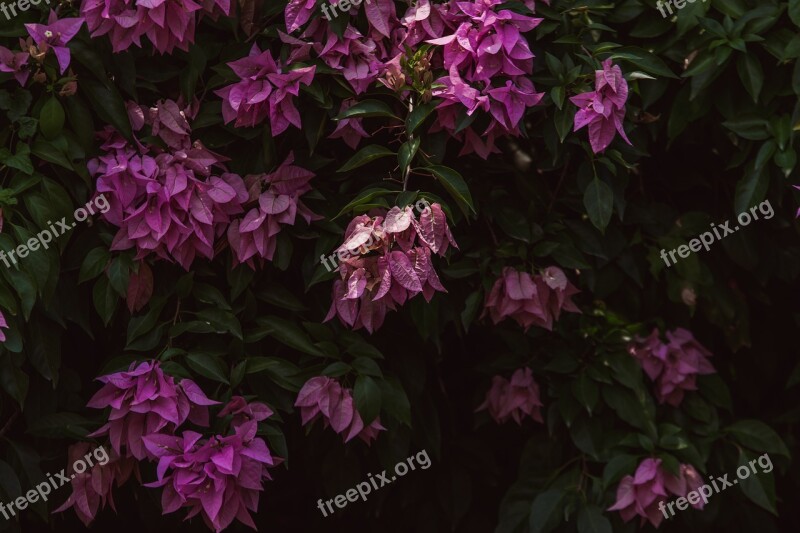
263 251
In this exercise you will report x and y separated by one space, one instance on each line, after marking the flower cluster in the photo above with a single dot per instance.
513 399
255 234
55 35
145 401
488 63
3 325
673 365
323 397
389 261
265 90
169 24
16 62
530 300
91 489
640 493
219 477
603 109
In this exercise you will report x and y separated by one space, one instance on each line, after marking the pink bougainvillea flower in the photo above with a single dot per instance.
16 63
243 412
169 24
171 203
92 489
256 233
641 493
349 129
323 397
56 34
370 283
265 90
673 365
3 325
513 399
219 478
603 109
145 401
530 300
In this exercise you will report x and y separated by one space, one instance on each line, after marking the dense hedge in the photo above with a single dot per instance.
298 246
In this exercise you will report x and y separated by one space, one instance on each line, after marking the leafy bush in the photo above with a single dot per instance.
483 198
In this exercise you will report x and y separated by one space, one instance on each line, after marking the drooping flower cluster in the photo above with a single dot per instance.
673 365
265 90
219 478
603 109
55 35
488 62
145 401
92 489
530 300
255 234
323 397
169 24
385 260
513 399
166 202
641 493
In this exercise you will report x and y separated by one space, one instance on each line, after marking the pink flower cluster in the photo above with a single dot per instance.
169 24
483 50
530 300
603 109
640 493
279 203
176 203
145 401
673 365
388 261
488 63
92 489
55 35
323 397
513 399
219 477
265 90
3 325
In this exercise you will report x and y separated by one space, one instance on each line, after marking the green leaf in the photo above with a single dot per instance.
208 366
51 118
21 160
758 437
108 104
586 391
394 400
599 202
284 331
591 520
455 185
644 60
794 11
105 299
368 108
367 396
751 189
751 74
367 367
544 511
222 321
365 155
406 155
60 425
418 116
563 119
759 487
364 197
617 468
47 151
